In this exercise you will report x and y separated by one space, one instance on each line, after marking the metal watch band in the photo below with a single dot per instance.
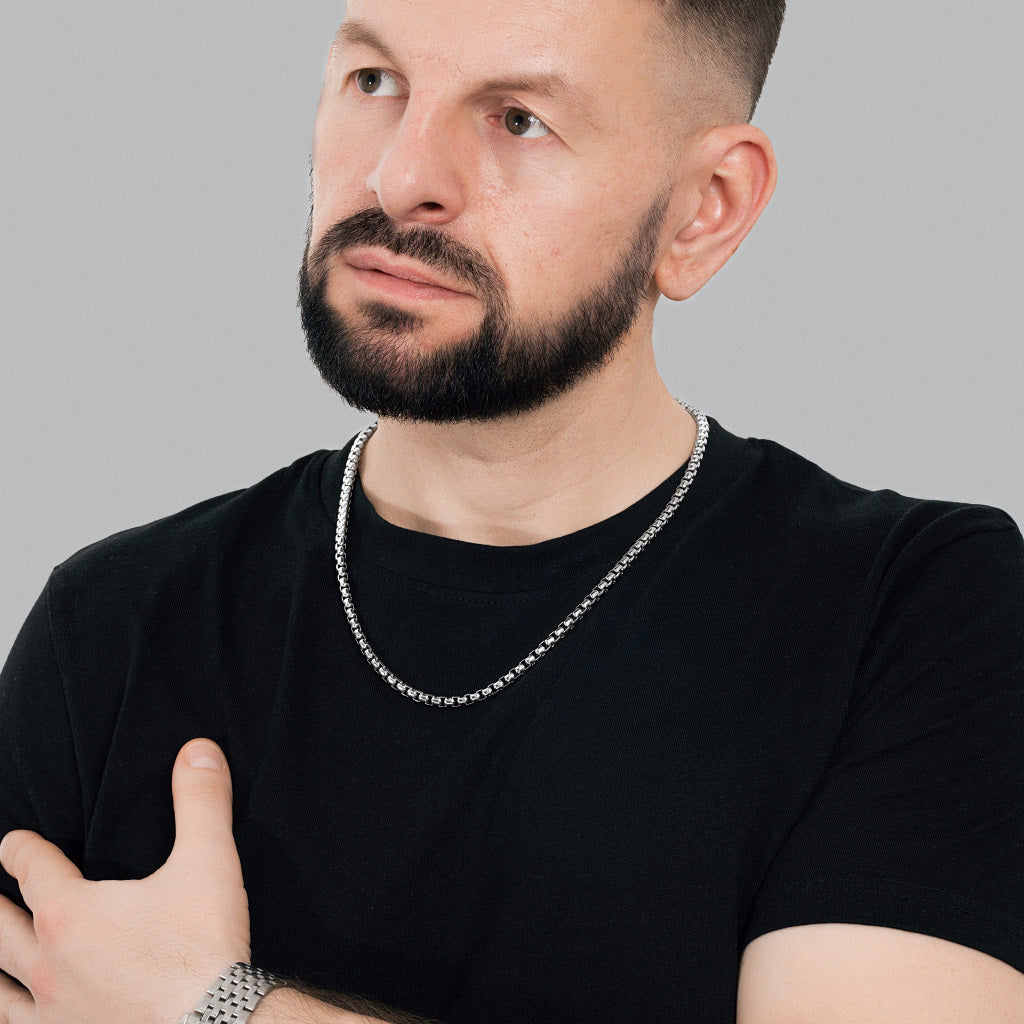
233 996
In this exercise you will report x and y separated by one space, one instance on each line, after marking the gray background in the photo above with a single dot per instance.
155 196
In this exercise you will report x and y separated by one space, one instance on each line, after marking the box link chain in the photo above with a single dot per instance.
433 700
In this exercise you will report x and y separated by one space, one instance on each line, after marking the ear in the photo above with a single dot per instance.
731 175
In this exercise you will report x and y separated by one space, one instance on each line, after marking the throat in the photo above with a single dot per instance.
507 494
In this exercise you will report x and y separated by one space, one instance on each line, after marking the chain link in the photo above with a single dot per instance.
233 996
341 561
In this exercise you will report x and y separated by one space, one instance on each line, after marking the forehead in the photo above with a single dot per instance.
584 41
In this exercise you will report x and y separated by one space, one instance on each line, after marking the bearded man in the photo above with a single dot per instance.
547 698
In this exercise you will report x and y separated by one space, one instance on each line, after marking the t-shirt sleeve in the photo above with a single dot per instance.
918 822
39 779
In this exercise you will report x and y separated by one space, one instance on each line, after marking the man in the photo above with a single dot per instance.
498 759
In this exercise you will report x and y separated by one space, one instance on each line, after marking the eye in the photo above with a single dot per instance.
524 124
375 82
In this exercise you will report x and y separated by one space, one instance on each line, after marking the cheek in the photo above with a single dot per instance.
565 252
343 159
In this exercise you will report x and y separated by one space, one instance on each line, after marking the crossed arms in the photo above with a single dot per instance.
144 952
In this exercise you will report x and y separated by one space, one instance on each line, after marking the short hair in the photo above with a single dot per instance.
741 36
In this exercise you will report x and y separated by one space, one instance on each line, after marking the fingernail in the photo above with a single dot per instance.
203 754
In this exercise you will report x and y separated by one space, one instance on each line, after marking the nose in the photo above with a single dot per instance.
419 177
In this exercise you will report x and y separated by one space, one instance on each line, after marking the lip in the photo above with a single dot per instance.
395 274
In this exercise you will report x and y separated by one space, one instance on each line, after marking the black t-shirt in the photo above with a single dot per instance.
802 703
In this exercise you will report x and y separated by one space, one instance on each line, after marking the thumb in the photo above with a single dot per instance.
201 787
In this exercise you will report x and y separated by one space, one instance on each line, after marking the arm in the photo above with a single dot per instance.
285 1006
906 862
144 952
297 1005
141 940
855 974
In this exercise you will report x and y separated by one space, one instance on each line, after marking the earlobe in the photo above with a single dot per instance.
735 174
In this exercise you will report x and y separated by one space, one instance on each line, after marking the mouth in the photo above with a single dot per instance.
401 278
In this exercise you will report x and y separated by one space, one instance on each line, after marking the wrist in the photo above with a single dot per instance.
233 997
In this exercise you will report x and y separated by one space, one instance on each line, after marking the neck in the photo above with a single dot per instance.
522 479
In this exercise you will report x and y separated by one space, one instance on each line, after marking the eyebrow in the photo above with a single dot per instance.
550 84
358 33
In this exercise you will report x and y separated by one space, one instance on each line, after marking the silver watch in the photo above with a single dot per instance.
233 996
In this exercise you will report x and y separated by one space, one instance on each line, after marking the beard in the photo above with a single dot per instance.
501 368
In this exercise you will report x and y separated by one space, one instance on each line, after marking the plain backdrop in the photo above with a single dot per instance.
155 193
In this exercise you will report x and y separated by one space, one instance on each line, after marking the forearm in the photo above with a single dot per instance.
293 1004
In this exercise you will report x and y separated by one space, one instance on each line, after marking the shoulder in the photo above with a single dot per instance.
877 577
234 528
805 513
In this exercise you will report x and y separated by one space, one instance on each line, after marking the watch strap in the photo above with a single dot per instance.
233 997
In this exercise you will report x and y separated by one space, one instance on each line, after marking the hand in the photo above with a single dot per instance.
128 952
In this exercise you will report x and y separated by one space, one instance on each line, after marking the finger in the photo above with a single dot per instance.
17 941
40 868
16 1003
201 785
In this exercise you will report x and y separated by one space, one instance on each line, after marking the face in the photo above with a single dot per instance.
488 202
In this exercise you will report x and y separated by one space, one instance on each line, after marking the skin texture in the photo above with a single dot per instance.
855 974
159 941
550 214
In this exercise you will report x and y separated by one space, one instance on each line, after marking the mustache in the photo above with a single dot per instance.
431 247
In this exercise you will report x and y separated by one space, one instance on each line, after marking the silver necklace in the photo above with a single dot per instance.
347 488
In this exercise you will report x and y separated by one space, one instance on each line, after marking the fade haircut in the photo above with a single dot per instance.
737 36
